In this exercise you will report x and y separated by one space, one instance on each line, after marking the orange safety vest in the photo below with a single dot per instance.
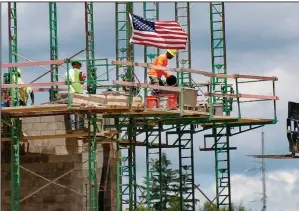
160 61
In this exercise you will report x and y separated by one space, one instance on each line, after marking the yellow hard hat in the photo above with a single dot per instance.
172 52
19 71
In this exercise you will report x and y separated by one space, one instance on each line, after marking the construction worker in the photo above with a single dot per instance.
155 75
24 92
76 78
76 81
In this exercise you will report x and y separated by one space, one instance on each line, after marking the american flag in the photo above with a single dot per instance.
159 34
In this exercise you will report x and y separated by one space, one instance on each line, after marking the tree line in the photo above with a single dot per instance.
169 186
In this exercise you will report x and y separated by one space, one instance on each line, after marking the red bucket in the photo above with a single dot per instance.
152 102
172 101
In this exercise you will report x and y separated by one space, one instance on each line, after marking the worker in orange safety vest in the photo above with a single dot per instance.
155 75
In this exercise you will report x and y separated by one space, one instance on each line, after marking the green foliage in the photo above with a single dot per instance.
209 207
168 184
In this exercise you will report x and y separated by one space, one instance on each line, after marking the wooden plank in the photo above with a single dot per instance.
33 108
47 89
287 156
60 109
200 72
252 96
68 135
5 86
36 63
171 69
143 85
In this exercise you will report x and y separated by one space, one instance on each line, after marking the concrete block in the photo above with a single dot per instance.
36 119
57 142
48 132
59 126
27 126
47 119
58 132
61 150
33 132
59 118
48 150
51 125
35 149
40 126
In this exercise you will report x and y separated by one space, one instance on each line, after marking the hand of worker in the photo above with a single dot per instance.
83 76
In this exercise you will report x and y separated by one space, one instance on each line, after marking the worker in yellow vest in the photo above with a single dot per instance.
76 79
24 92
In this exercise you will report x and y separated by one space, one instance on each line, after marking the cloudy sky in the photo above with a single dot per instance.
262 38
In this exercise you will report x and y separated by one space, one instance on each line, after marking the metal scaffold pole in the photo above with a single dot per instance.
92 118
150 12
92 164
90 52
218 53
186 167
183 58
219 85
185 132
124 50
16 122
53 48
127 162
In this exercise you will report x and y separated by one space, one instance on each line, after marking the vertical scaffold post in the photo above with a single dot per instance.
124 50
92 164
126 166
153 141
185 133
186 167
150 12
53 48
16 122
92 118
13 50
218 51
219 85
183 58
90 53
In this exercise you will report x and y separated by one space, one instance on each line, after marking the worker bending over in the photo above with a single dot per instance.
155 75
24 92
76 81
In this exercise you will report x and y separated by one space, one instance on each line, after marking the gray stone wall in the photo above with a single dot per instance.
50 159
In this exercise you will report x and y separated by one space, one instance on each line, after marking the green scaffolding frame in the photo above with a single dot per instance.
90 52
183 57
126 170
53 48
219 85
16 122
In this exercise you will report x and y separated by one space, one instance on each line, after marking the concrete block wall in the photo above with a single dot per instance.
51 125
51 198
52 158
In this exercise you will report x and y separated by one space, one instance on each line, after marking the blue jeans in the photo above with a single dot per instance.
77 122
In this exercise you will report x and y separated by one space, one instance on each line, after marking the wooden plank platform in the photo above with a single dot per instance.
245 121
74 134
61 109
196 71
287 156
